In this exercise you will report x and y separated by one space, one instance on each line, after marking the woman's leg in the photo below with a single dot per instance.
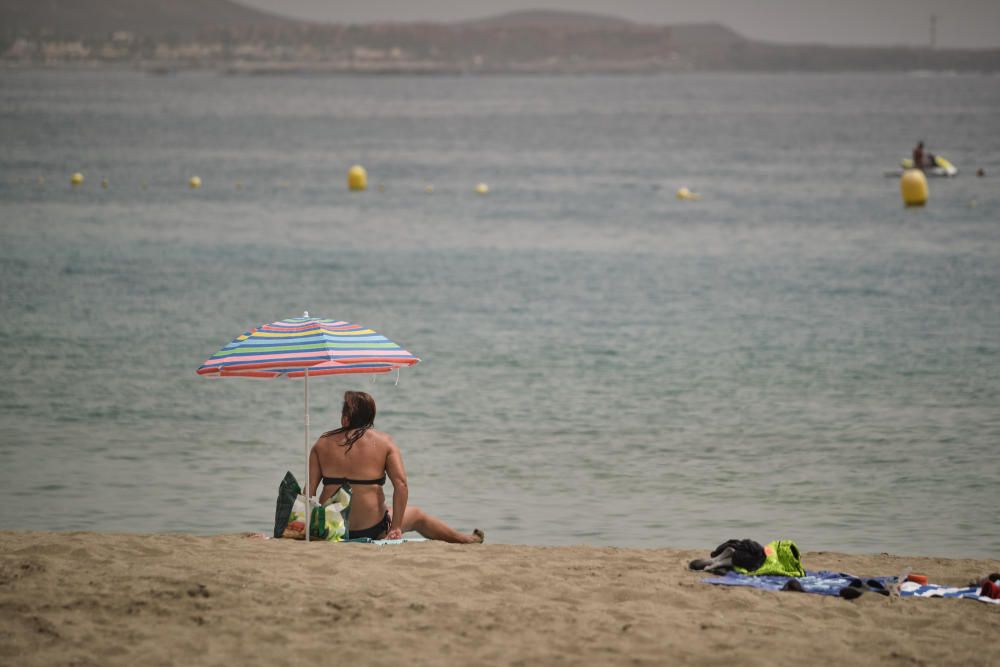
435 529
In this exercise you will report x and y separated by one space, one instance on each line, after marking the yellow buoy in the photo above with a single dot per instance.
194 182
429 189
686 195
913 187
357 178
76 179
482 189
104 183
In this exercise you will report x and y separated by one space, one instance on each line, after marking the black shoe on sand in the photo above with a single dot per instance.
793 585
851 592
876 586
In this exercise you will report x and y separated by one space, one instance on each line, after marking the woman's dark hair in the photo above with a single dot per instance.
359 410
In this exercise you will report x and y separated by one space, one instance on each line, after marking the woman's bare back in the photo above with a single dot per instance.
365 460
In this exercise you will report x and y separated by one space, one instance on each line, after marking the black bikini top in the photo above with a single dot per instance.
347 480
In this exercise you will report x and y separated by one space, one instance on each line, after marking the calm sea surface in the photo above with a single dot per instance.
796 355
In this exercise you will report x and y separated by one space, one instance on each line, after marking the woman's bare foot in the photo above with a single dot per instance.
479 536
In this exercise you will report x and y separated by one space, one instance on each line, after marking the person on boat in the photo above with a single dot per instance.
919 161
359 455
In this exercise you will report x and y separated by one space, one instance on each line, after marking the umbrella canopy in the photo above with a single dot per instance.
325 347
300 347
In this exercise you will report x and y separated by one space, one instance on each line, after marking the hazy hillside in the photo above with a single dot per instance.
551 20
695 36
223 33
88 18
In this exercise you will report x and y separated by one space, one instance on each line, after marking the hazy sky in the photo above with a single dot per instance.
961 23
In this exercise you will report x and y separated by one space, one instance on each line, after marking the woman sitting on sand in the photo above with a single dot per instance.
359 455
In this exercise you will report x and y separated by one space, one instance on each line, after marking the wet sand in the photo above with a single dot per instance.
95 599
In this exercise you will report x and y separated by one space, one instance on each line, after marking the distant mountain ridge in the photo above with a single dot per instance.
542 18
224 33
89 18
153 18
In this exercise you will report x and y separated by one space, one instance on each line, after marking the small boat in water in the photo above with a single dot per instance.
942 168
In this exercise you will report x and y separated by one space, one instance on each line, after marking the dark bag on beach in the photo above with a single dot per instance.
747 554
288 491
742 555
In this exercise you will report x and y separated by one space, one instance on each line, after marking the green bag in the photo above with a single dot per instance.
328 522
780 557
288 490
317 523
288 493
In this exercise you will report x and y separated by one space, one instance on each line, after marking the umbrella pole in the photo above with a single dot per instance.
308 486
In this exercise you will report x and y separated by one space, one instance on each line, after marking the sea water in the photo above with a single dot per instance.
796 355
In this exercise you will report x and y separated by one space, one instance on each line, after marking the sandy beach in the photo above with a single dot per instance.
87 599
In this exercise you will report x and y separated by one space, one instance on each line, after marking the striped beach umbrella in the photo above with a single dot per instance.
300 347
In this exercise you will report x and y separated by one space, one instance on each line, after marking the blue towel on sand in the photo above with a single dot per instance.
830 583
823 583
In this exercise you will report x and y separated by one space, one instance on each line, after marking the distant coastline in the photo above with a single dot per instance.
266 70
231 38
